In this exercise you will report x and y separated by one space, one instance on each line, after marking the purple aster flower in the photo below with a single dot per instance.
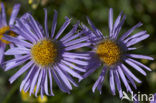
112 53
47 57
5 27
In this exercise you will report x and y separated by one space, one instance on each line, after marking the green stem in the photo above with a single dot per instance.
10 94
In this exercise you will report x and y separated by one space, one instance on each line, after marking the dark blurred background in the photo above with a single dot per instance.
97 10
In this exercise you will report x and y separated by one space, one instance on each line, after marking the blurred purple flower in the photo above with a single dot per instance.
5 27
46 56
112 52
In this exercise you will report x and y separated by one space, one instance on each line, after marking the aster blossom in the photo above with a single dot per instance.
46 56
112 54
5 27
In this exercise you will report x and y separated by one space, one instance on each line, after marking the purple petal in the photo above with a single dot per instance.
26 30
74 36
14 13
135 36
97 32
4 22
36 26
130 31
11 45
29 80
110 21
133 48
73 66
118 83
123 78
17 41
137 56
67 22
70 71
130 73
94 64
21 71
39 82
90 71
15 51
59 82
46 82
140 64
42 88
29 23
23 34
135 67
34 80
41 92
137 40
11 65
118 28
99 80
64 78
75 55
71 32
99 87
21 58
50 79
79 54
2 48
31 27
76 61
27 86
54 23
76 46
130 79
117 21
26 77
45 23
70 78
76 41
112 84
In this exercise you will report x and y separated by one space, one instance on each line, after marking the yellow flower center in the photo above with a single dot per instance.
44 52
3 30
108 52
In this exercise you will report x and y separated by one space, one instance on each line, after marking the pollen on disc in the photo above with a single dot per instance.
108 52
3 30
44 52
